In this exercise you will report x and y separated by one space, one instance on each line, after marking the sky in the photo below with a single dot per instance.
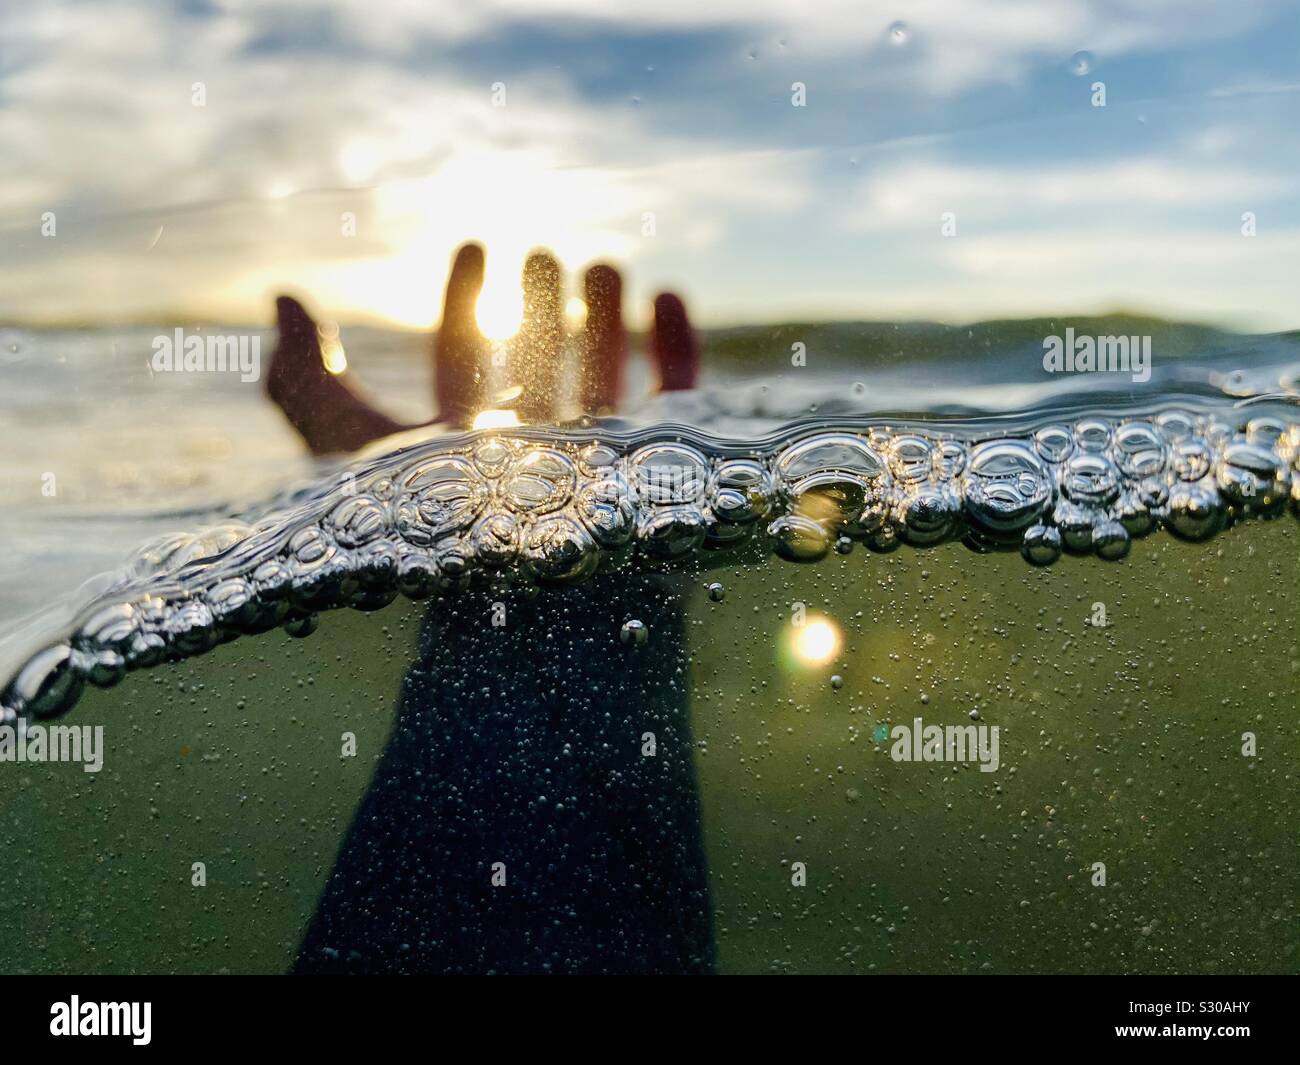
770 159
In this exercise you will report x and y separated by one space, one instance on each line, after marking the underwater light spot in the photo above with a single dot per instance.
817 642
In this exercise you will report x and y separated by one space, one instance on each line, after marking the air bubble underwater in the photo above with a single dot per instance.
634 632
539 510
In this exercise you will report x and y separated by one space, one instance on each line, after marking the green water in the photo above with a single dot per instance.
1119 745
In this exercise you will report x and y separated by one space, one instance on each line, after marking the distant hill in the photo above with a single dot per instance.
880 343
868 344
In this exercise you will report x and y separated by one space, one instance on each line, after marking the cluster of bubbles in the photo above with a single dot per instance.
428 520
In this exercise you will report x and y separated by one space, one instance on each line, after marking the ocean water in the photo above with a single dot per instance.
652 692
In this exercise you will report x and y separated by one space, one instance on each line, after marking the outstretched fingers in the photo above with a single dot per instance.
537 348
458 348
674 346
604 340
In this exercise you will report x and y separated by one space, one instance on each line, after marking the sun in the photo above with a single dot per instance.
500 308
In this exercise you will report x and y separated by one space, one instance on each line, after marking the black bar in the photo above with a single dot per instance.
368 1013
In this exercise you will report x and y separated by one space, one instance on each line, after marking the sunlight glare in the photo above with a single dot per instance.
331 349
500 309
817 642
496 419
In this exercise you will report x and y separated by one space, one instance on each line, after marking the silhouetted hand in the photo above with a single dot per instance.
331 413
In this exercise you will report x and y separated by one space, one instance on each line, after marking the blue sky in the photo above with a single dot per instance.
661 136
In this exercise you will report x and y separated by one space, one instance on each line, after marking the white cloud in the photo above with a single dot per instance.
914 194
99 127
